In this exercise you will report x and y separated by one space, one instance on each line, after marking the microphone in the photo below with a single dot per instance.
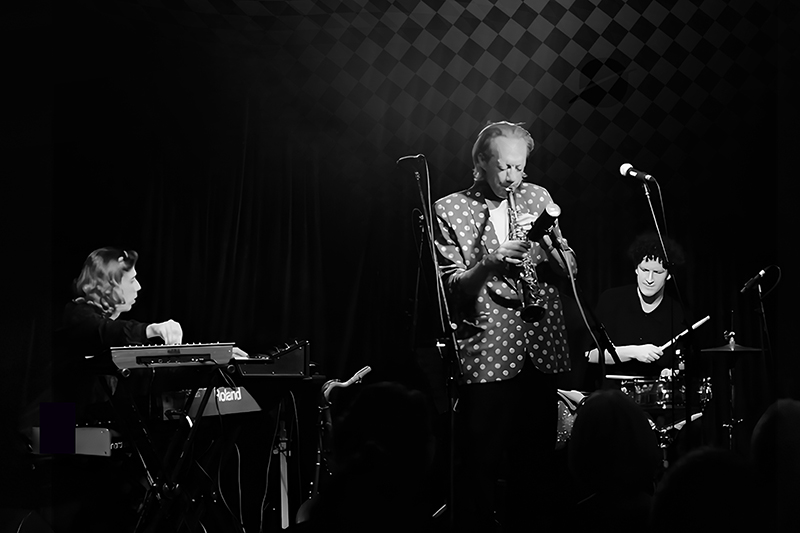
545 221
410 158
627 170
752 281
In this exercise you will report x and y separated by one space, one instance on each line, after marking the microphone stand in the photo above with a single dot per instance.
448 327
605 345
766 346
598 333
687 381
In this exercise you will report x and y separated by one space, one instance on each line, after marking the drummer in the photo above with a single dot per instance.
640 318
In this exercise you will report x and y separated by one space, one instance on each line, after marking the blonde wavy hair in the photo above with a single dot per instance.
497 129
98 282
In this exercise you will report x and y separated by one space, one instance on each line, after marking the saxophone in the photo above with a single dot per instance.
531 293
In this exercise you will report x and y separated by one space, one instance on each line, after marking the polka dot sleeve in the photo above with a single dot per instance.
452 257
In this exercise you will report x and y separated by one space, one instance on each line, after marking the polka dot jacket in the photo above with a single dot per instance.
493 339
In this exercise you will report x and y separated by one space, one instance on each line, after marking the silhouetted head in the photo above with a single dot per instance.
385 424
775 444
775 453
708 489
612 444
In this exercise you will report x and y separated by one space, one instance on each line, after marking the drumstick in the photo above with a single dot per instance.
684 332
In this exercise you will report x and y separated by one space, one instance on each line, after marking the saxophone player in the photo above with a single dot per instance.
505 425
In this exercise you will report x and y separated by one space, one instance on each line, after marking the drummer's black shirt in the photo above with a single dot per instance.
620 311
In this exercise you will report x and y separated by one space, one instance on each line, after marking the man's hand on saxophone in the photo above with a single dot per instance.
507 254
510 252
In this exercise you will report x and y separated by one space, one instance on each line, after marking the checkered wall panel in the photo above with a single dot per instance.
598 82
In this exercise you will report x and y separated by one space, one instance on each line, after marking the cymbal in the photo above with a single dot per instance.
731 348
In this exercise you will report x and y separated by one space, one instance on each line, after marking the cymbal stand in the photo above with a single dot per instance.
664 441
732 422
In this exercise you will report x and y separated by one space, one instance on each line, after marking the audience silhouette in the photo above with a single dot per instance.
382 450
613 455
775 452
709 489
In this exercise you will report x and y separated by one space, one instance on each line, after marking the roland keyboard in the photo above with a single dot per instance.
172 355
225 401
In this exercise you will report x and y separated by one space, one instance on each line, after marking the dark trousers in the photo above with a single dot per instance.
506 434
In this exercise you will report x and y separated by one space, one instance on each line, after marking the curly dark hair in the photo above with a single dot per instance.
648 246
101 274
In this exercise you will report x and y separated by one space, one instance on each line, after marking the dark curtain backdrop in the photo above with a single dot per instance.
246 150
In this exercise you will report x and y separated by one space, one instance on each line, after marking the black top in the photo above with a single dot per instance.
620 311
85 332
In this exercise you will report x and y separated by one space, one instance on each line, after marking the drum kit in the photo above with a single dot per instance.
667 399
671 401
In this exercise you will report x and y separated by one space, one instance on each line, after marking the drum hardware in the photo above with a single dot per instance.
666 435
661 393
731 348
570 401
658 396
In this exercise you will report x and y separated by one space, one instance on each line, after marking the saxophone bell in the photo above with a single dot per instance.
534 306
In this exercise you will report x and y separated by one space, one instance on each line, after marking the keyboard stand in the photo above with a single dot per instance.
166 505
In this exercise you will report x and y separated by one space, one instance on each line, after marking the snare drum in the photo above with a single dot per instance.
663 393
650 393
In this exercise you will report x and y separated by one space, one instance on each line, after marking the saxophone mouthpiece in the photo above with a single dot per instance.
513 187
